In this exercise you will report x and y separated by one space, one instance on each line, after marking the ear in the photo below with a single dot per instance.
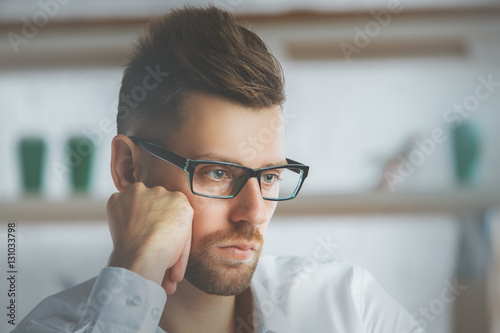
123 162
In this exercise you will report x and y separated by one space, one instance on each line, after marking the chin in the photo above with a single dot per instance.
221 276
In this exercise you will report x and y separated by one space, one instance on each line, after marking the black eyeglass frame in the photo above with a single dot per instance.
189 166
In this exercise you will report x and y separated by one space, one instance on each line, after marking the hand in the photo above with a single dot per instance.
151 232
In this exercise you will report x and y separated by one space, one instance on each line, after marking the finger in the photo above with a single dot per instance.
168 284
179 268
110 213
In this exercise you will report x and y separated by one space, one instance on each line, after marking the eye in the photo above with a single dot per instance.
270 178
217 173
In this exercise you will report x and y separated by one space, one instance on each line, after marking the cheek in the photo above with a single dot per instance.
205 209
209 216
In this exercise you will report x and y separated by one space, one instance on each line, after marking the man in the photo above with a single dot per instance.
196 194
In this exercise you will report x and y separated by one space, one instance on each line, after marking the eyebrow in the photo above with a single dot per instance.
221 158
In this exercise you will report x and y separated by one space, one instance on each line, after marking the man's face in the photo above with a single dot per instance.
220 262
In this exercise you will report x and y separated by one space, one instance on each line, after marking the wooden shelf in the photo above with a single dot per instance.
34 209
455 202
94 209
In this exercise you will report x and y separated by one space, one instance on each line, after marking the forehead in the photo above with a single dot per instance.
230 131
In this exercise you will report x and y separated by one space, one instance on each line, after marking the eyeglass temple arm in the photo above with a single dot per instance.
289 161
161 153
304 167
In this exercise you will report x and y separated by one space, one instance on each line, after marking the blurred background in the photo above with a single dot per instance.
395 105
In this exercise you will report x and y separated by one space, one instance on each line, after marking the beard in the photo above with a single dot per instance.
217 275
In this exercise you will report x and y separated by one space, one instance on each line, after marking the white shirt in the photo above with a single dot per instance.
290 295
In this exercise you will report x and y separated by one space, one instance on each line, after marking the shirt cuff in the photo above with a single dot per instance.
124 298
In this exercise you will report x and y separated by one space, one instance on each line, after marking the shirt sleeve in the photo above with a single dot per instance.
119 301
379 311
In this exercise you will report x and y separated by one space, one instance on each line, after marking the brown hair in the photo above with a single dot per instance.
194 49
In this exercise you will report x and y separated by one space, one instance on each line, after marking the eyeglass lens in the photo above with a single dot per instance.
216 180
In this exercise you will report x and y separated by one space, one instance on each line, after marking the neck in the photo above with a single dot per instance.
192 310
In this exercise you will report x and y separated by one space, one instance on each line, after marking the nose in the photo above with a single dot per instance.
248 205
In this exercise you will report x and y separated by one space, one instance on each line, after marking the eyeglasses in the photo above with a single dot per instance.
214 179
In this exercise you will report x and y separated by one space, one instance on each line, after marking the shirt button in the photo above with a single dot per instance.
134 301
155 313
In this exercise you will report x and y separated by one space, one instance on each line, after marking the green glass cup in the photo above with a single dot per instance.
80 152
466 150
32 152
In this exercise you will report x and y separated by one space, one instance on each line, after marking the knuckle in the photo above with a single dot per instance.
137 186
178 196
133 189
158 190
112 200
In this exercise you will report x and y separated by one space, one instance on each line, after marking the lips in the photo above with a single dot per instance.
242 246
239 251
